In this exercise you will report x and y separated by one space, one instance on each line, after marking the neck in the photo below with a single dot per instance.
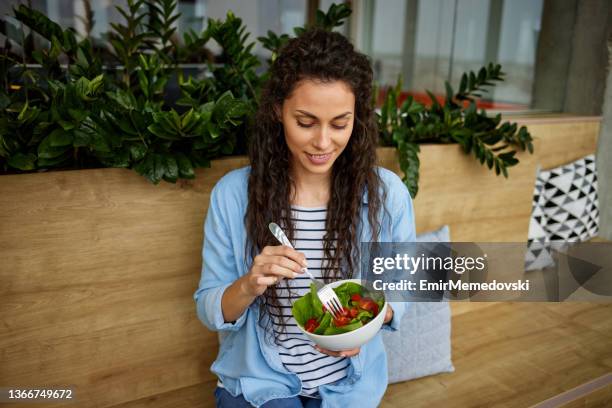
311 189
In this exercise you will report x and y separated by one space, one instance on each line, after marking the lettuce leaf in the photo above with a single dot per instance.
324 323
342 329
302 309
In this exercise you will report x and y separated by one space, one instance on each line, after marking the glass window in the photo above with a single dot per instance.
193 16
520 29
433 41
259 16
426 42
385 25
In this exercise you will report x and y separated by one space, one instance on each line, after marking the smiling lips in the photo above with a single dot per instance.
319 158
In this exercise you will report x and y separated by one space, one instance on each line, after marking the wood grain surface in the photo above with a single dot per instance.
475 203
517 355
98 269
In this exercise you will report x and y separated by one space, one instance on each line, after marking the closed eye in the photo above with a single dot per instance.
309 125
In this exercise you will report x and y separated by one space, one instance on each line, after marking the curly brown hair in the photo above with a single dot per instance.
323 56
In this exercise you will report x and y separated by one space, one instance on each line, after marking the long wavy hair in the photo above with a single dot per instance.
322 56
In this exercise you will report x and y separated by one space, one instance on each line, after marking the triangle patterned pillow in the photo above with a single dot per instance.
565 209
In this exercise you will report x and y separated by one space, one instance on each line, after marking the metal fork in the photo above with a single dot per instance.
326 294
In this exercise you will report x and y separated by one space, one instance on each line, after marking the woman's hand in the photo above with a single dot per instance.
355 351
271 265
342 353
389 314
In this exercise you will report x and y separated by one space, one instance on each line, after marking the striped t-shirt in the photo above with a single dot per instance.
295 349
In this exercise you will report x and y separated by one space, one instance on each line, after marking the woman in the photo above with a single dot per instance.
312 170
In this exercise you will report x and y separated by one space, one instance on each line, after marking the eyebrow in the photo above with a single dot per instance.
314 117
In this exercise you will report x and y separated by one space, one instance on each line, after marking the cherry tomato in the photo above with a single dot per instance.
354 312
356 297
311 325
342 321
345 312
369 305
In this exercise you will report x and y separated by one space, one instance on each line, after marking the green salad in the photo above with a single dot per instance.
357 310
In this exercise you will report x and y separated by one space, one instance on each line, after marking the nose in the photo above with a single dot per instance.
322 140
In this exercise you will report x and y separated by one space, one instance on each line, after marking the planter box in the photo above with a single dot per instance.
99 266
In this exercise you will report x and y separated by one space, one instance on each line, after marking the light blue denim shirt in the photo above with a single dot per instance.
247 364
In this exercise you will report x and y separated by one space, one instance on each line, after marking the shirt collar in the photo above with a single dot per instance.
364 196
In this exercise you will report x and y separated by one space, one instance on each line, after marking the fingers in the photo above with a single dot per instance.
275 263
342 353
266 280
284 251
286 263
272 269
279 261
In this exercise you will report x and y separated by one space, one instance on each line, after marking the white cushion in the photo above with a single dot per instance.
422 345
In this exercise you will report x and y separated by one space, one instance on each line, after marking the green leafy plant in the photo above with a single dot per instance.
457 120
84 108
87 116
334 17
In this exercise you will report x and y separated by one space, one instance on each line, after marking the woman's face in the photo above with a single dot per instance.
318 120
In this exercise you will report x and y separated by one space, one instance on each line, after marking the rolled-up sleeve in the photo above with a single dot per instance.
219 269
403 230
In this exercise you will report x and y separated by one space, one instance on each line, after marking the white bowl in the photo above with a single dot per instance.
352 339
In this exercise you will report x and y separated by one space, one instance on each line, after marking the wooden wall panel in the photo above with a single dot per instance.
97 277
98 267
478 205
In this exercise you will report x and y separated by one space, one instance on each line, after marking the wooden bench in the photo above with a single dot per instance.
99 267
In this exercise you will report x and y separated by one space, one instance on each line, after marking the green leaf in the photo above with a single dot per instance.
302 309
77 114
66 125
171 168
38 22
343 329
123 98
153 167
160 168
463 84
449 92
81 87
126 126
22 113
22 161
160 132
60 137
143 82
137 151
212 130
95 84
317 306
222 105
434 100
81 59
54 161
81 138
184 166
324 323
